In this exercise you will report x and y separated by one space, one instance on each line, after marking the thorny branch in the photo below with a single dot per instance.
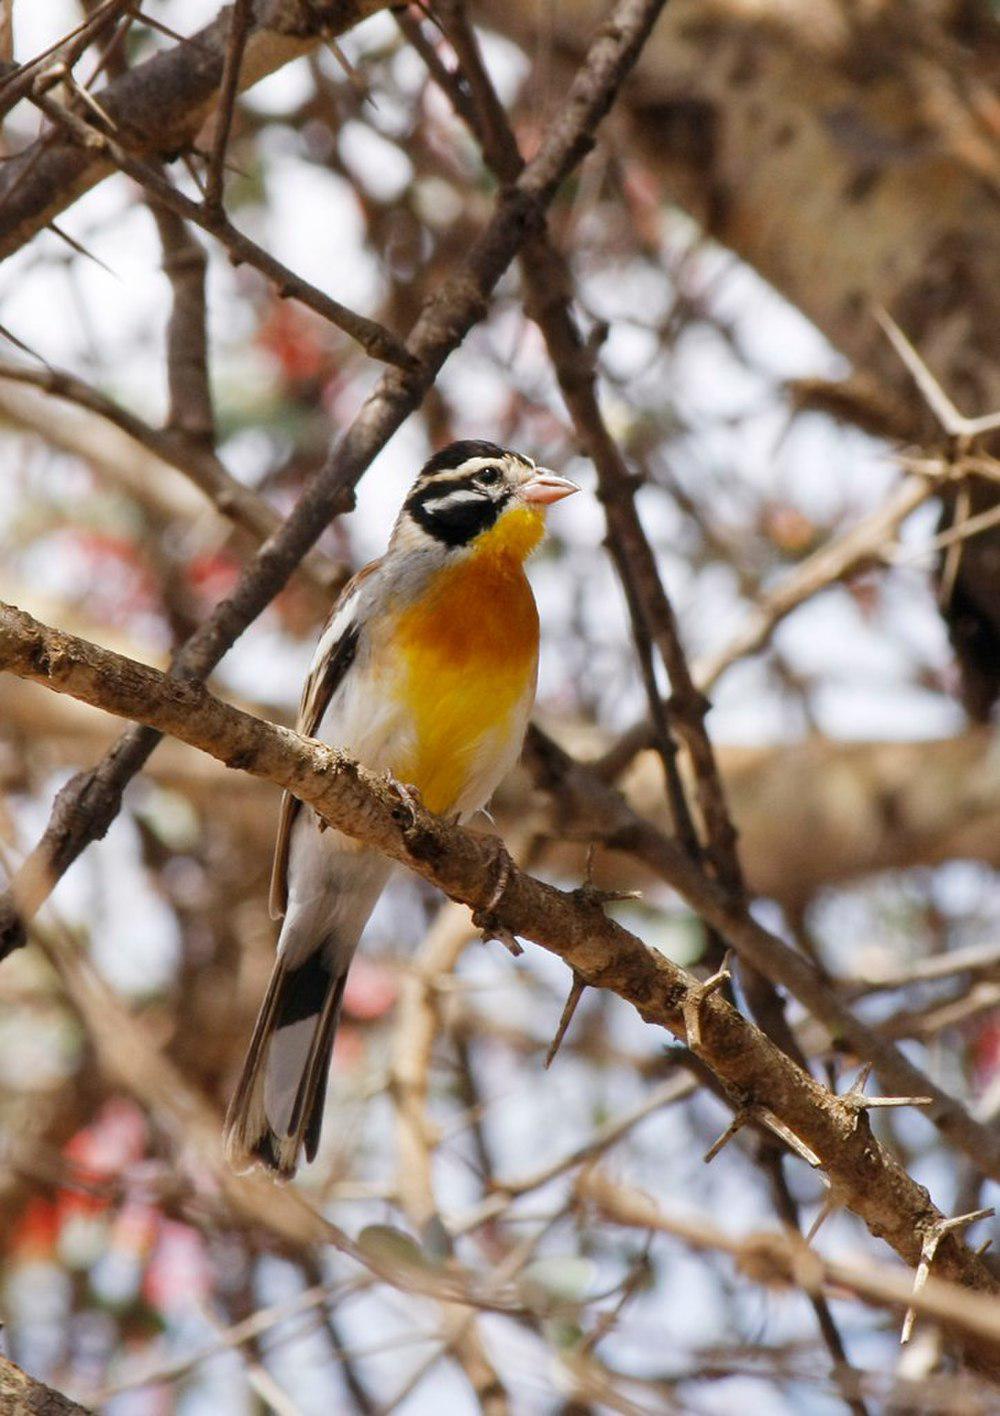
238 53
867 1179
596 811
549 301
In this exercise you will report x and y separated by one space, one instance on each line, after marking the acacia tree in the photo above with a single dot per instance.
529 231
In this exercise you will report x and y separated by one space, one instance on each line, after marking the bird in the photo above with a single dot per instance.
426 670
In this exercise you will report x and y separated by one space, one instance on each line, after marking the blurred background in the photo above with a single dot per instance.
768 180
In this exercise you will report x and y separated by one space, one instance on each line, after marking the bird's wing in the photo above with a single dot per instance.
332 660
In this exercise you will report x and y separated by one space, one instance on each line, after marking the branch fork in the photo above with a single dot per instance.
750 1110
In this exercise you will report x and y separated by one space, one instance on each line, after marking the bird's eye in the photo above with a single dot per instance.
489 477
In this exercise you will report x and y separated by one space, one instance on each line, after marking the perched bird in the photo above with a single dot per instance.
426 669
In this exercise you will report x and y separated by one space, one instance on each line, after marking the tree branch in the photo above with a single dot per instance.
569 924
184 264
161 105
374 339
22 1394
198 463
85 808
603 814
784 1258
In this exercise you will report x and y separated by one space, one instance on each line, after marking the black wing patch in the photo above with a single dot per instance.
319 689
323 684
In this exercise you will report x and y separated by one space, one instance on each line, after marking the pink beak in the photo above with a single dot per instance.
545 487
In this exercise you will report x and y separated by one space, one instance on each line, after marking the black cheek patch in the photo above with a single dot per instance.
458 524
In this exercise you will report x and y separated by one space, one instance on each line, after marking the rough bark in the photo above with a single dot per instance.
570 924
21 1395
810 815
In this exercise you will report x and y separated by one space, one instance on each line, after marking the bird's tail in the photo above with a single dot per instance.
277 1108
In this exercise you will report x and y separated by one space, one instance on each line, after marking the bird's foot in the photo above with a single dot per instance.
485 918
409 799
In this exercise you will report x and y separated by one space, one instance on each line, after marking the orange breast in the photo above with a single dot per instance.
470 654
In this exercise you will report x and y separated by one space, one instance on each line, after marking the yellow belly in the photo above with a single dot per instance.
469 650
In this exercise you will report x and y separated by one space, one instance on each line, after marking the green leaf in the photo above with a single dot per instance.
384 1244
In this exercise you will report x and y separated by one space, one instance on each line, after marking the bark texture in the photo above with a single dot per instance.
811 815
760 1078
21 1395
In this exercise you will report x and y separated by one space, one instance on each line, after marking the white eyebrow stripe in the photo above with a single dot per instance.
472 466
456 498
475 464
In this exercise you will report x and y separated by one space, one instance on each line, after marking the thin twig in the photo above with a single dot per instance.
378 342
199 464
67 50
239 24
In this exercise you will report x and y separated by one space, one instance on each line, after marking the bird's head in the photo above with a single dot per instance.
478 497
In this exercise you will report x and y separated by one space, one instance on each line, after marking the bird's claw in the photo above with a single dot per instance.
484 919
409 798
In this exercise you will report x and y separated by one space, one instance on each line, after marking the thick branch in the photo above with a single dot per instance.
569 924
21 1395
161 105
602 814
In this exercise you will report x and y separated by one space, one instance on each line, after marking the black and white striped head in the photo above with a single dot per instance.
467 487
